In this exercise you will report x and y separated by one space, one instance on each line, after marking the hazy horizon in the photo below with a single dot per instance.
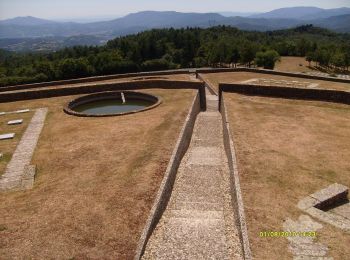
90 10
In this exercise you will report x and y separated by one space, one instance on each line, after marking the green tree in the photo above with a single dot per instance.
338 60
247 53
267 59
310 56
71 68
234 55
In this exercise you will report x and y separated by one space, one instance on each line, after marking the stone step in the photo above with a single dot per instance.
196 214
205 156
212 105
212 98
190 238
193 225
199 174
209 114
175 204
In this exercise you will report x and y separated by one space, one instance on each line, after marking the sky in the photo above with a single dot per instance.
72 9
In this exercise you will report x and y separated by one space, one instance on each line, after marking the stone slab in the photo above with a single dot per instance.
303 246
7 136
313 85
212 98
331 194
15 122
190 238
307 202
193 205
314 249
343 210
21 111
205 156
304 257
333 219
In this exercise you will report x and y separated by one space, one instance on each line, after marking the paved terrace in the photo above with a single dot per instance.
198 222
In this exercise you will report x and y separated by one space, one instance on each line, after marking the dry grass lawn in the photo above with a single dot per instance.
286 150
293 64
237 77
96 182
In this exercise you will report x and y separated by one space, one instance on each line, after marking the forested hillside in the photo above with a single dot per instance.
178 48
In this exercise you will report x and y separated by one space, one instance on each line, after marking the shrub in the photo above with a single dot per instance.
267 59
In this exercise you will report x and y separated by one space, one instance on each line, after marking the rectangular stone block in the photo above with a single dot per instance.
330 195
7 136
307 202
22 111
15 122
343 210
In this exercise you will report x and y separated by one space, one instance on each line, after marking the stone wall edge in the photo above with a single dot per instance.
166 186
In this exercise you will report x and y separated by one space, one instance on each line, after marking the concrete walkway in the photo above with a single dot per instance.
14 176
198 222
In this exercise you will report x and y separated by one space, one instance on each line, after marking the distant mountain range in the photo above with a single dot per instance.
303 13
21 28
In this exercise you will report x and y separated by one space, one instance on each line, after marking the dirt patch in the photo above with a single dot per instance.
286 150
237 77
293 64
96 181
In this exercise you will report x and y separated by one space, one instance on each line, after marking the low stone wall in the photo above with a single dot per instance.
92 79
336 96
132 85
236 195
166 186
169 72
272 72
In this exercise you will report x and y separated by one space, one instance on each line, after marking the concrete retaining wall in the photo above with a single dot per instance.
236 195
132 85
92 79
272 72
169 72
166 186
337 96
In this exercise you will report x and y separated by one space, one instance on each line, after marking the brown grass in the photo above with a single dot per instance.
96 181
286 150
293 64
237 77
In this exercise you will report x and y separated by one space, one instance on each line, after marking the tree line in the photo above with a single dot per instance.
161 49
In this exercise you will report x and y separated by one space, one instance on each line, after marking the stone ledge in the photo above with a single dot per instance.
330 195
236 194
165 189
316 203
7 136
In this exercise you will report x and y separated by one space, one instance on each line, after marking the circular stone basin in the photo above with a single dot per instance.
111 103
